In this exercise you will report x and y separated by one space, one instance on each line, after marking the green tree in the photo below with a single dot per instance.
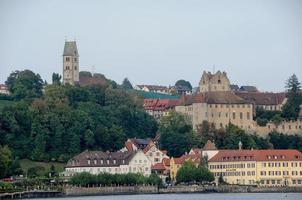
183 83
291 108
25 84
5 161
56 79
186 173
126 84
176 134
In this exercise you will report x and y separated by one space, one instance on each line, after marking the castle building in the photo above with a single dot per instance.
214 82
70 63
220 103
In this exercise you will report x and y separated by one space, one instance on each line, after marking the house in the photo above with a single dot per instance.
258 167
162 169
153 88
160 107
96 162
133 144
4 89
176 163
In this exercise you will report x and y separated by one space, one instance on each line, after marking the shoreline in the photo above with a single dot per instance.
145 190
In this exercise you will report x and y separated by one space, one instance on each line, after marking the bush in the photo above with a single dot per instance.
190 173
86 179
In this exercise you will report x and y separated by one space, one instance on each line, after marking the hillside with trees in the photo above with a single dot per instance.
55 122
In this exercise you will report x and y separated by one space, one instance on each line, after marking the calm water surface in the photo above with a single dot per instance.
219 196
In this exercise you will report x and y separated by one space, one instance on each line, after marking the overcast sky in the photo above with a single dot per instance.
156 42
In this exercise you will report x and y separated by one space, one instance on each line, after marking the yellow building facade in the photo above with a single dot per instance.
258 167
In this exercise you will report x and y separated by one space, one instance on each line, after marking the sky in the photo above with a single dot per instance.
156 41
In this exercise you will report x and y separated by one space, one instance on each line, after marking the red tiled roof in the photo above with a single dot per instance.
160 104
158 166
179 161
209 146
192 157
257 155
128 145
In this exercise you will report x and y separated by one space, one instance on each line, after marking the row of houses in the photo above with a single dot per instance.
241 166
171 90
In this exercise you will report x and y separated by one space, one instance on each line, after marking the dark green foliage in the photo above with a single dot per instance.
291 109
86 179
189 173
37 171
56 79
264 116
24 84
230 137
69 119
126 85
5 161
176 134
183 83
282 141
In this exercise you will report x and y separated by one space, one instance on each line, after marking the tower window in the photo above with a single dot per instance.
75 59
75 67
67 59
67 67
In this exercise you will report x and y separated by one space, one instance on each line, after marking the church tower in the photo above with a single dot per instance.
70 63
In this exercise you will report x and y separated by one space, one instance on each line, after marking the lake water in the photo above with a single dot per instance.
211 196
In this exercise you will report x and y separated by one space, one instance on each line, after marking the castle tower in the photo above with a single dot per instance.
214 82
70 63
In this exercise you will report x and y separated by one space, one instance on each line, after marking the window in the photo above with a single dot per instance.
67 67
234 115
75 67
67 59
219 81
241 115
75 59
248 115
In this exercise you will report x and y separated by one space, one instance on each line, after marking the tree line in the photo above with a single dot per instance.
86 179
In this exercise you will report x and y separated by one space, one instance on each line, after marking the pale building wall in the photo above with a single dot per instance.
140 164
155 155
70 69
265 173
219 114
243 172
287 127
122 169
214 82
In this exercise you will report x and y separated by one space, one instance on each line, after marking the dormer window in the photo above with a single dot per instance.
102 161
88 161
114 161
95 161
108 162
